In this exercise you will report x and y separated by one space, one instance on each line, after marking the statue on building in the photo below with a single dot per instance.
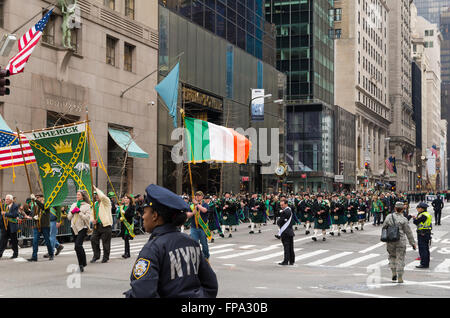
71 14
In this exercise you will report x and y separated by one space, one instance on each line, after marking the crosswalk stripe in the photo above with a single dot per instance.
249 252
311 254
220 246
412 265
380 263
328 259
246 246
357 260
270 256
443 267
372 247
222 251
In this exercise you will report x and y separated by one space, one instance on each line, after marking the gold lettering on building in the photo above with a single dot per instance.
192 96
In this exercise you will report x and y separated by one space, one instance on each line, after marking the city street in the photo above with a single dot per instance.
352 265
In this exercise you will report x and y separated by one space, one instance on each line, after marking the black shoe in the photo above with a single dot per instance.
81 268
339 234
277 236
295 227
394 278
46 256
212 240
314 239
324 239
283 264
332 233
351 231
422 266
291 264
345 231
307 232
51 258
93 260
259 231
104 260
59 249
230 235
126 255
221 235
251 232
32 260
356 228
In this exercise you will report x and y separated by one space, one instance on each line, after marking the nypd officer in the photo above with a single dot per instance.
423 220
170 264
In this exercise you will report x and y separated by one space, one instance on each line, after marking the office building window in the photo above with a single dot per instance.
2 5
111 44
110 4
48 35
337 14
75 39
129 8
338 33
128 57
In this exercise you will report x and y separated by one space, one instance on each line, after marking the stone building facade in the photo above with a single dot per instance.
362 39
115 47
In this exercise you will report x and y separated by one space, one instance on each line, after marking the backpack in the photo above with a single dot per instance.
391 233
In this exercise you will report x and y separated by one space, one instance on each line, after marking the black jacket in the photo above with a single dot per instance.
437 204
13 213
284 217
171 265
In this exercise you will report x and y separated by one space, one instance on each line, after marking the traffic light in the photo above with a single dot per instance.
4 82
366 165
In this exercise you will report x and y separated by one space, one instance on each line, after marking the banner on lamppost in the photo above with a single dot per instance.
257 106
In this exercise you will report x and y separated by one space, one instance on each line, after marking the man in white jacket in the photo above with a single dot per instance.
101 218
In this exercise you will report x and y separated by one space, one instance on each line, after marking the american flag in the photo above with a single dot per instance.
434 150
27 43
10 151
389 164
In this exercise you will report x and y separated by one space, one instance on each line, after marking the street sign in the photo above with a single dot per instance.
338 178
94 163
245 179
303 176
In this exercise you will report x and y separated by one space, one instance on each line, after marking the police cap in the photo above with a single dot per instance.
159 197
422 205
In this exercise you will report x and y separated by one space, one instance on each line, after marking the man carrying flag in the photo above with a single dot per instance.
199 222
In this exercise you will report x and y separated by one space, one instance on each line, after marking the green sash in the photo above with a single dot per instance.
128 226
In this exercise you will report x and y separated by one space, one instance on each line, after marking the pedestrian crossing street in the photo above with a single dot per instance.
370 257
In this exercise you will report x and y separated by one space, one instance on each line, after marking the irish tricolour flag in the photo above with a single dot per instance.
206 142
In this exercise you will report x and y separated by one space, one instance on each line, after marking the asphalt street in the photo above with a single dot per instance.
349 266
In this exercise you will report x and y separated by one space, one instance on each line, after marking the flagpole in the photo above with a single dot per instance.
90 165
28 175
24 160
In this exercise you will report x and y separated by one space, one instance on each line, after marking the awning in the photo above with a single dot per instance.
124 140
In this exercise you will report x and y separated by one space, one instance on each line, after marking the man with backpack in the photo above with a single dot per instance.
397 249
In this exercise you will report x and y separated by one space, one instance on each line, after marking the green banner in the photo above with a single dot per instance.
62 155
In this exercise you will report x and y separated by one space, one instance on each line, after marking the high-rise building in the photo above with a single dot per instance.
225 49
361 30
402 131
445 72
426 52
431 9
305 53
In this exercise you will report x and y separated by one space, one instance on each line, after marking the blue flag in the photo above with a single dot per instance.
168 90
